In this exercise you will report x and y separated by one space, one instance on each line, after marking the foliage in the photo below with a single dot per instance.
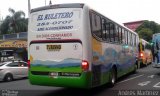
147 29
5 25
14 23
146 34
148 46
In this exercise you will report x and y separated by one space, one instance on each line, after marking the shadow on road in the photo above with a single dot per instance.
78 92
158 73
14 80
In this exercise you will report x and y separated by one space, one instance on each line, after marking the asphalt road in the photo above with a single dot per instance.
145 82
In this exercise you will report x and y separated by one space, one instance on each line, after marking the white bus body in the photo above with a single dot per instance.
71 45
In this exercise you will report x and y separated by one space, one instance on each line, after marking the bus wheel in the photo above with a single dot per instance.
112 77
135 68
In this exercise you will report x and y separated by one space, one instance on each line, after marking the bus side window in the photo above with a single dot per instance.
123 36
112 32
108 31
116 34
131 39
96 25
104 30
119 34
126 37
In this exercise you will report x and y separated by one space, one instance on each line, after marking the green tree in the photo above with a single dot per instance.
14 23
17 21
151 27
5 25
145 33
155 27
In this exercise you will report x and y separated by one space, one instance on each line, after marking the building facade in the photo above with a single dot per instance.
133 25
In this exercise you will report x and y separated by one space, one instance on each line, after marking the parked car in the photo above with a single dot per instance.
11 70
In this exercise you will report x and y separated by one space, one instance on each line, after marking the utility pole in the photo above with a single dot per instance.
29 7
45 2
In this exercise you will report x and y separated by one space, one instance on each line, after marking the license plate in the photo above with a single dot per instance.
53 74
53 47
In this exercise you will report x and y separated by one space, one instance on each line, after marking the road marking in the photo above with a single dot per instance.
151 76
157 85
144 83
131 78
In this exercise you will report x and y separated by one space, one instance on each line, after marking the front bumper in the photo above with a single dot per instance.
84 81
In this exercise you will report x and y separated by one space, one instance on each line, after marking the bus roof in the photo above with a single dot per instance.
67 5
75 5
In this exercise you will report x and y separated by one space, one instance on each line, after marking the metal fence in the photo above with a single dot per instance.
21 35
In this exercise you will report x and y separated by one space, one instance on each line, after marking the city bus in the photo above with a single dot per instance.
71 45
156 50
145 53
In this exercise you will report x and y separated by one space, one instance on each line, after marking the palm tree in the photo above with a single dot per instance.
14 23
5 25
17 21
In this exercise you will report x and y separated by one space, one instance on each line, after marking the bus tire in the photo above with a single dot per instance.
113 76
135 68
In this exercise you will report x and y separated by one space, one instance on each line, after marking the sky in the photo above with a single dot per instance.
120 11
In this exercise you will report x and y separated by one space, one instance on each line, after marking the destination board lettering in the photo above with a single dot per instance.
55 16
